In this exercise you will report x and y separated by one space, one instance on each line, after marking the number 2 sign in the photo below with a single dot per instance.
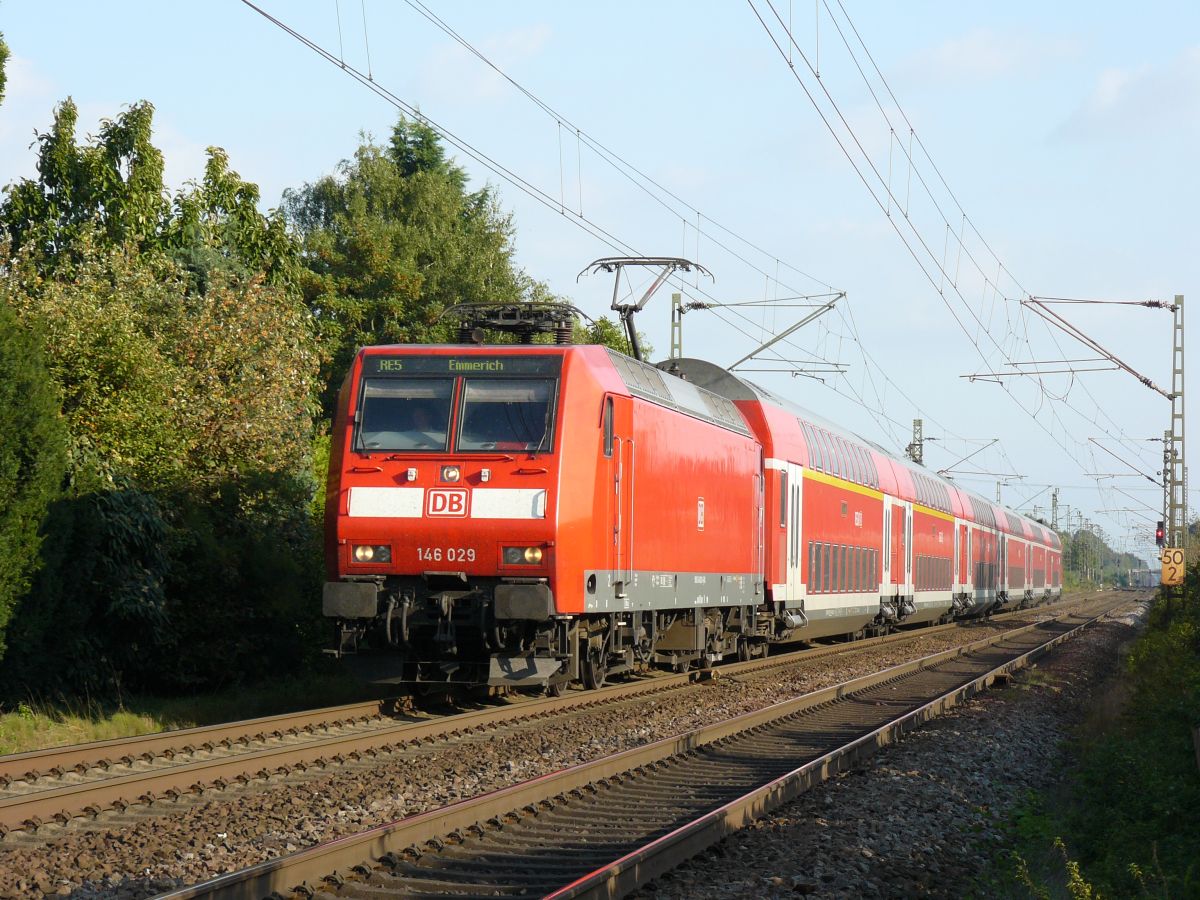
1172 566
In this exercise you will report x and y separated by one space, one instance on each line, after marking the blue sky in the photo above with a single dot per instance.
1067 132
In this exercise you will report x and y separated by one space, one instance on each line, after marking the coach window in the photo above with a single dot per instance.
819 446
825 581
848 456
813 460
814 567
608 426
507 414
404 414
831 450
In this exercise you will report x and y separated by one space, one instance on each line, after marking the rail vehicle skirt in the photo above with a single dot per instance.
500 670
375 622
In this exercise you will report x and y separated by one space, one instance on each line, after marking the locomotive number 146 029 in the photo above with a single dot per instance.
446 554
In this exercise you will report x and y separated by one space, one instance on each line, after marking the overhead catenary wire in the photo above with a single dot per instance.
630 171
954 198
938 266
595 229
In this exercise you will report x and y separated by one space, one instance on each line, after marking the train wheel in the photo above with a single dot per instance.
594 668
556 688
743 650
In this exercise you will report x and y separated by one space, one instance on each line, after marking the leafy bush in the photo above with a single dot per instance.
1129 823
32 459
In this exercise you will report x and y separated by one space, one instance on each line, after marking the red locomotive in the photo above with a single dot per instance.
528 515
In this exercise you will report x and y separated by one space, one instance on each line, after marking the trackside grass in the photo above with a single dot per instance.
1125 820
35 724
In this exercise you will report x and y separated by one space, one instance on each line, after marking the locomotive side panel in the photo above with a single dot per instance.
687 527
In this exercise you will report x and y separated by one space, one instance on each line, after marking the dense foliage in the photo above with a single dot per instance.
1087 558
32 458
180 551
1126 819
167 366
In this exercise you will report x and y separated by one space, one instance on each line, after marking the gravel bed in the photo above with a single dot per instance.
922 817
150 849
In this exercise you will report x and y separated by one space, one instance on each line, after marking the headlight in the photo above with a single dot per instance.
376 553
522 556
451 473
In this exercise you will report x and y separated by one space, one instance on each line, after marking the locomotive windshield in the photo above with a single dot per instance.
405 413
507 414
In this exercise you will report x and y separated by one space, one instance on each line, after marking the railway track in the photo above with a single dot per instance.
60 784
603 828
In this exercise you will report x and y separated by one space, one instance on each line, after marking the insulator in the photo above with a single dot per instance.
464 333
563 333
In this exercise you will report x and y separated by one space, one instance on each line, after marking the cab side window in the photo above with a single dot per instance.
608 426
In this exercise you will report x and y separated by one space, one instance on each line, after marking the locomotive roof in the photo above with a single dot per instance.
726 383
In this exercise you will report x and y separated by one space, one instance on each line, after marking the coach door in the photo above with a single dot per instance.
794 489
964 556
898 558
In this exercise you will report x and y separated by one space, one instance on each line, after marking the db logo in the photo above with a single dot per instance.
447 502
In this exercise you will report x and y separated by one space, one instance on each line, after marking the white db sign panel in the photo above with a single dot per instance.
1173 565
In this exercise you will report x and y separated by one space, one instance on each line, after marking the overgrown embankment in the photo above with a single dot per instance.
1125 820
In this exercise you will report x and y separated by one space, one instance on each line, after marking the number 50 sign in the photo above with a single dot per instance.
1172 566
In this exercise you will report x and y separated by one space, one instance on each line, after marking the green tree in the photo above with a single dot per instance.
3 64
32 458
182 553
391 241
216 225
114 184
111 190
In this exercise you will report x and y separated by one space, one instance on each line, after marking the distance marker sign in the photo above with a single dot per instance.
1172 566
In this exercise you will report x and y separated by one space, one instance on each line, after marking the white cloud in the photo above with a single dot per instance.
1140 100
985 53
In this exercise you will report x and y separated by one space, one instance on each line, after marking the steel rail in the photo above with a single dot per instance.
400 843
62 802
35 764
